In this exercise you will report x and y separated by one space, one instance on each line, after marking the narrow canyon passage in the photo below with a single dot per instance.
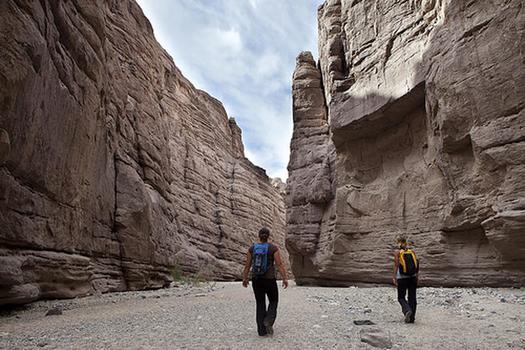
222 316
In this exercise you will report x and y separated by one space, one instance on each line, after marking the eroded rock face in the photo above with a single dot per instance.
118 167
426 124
309 191
5 146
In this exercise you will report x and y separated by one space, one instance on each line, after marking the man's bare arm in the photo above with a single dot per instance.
246 271
282 270
396 264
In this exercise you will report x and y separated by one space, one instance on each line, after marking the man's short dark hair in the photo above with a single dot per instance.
264 232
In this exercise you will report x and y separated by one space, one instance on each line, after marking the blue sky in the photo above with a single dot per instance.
243 53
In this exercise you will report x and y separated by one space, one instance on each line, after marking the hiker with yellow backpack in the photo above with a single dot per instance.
406 268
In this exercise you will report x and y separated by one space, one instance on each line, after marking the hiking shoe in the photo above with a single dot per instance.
408 316
269 328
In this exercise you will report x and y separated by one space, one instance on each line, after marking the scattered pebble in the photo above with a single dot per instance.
54 311
363 322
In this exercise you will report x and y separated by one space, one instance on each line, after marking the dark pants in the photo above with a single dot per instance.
263 287
403 285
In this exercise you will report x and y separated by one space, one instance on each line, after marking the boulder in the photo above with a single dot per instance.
375 337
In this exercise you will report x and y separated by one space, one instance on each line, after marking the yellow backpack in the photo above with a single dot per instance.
408 264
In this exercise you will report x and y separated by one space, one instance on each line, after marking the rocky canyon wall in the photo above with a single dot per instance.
113 167
411 123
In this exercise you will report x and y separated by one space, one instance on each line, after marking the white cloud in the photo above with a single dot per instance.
220 39
243 53
267 65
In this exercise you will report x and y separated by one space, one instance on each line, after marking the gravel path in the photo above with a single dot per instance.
222 316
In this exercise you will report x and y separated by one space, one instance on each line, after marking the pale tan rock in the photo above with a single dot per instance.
426 103
118 166
279 185
30 275
310 181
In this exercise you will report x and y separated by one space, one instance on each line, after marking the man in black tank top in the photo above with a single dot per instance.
265 284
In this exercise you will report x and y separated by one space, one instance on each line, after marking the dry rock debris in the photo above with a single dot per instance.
376 338
308 318
54 311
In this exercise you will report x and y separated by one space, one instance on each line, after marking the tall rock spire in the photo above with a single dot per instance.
310 183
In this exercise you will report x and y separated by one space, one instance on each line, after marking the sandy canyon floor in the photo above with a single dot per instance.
222 316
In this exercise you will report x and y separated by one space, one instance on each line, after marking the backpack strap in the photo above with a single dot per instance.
402 260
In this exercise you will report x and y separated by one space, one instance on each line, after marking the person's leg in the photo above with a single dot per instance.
260 299
401 294
412 300
273 298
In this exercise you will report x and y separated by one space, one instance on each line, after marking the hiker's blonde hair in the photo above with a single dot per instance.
401 239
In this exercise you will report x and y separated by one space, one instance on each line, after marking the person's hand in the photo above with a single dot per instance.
245 283
285 284
394 281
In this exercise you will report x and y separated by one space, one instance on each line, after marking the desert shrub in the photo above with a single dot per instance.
203 275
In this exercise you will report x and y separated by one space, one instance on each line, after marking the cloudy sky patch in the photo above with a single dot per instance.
243 53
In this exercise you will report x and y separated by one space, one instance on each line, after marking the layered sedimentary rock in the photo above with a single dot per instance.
424 119
113 167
